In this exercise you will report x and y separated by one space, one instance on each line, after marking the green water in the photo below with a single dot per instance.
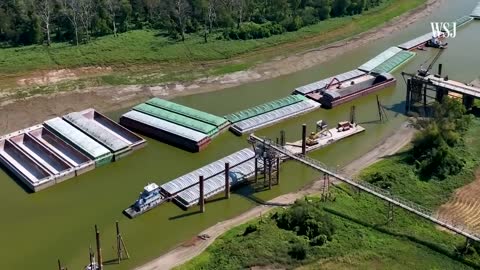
37 229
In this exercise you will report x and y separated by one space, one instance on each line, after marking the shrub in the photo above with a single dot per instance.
252 30
250 229
319 240
298 251
306 219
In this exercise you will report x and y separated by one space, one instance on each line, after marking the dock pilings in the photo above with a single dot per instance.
227 180
202 194
99 249
304 139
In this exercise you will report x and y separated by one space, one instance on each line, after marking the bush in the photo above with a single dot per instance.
306 219
298 251
250 229
319 240
252 30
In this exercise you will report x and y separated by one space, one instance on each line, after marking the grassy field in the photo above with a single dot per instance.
148 57
363 238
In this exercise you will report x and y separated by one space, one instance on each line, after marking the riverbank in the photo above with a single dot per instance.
276 61
361 232
188 251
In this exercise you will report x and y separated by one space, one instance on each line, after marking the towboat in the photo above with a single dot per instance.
148 199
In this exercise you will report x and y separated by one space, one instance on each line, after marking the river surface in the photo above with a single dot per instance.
37 229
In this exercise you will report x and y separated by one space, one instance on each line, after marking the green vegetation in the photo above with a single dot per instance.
143 56
362 236
26 22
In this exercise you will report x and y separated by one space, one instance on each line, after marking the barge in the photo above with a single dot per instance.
170 133
26 169
82 142
270 113
68 153
387 61
324 137
219 122
476 12
337 92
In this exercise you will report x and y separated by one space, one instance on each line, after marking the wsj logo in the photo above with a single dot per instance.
445 29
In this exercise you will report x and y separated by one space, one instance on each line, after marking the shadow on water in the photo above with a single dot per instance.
432 246
248 192
397 108
16 179
185 215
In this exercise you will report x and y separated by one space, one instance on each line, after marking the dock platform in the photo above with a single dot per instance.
331 136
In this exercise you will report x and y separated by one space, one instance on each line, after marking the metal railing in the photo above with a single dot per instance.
369 188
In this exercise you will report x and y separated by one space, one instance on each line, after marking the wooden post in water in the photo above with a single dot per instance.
304 139
99 249
202 194
227 180
282 137
408 98
265 173
122 251
278 171
256 170
440 67
270 174
91 256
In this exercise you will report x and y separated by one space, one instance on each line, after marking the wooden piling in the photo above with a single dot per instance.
256 170
202 194
278 170
304 139
227 180
282 137
440 67
99 249
122 252
270 174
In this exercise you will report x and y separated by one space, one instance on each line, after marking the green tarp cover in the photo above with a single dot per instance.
264 108
393 62
187 111
178 119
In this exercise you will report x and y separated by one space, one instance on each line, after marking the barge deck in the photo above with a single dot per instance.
331 136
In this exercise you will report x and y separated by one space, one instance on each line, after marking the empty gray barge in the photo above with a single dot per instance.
111 135
23 167
68 153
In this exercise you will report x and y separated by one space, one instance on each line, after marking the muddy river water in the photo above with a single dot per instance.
37 229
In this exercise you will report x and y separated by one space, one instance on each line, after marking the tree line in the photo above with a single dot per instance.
25 22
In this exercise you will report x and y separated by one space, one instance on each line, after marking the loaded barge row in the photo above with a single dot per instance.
270 113
184 190
174 124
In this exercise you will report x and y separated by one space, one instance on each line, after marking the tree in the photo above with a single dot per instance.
71 9
113 6
179 14
44 11
432 151
87 8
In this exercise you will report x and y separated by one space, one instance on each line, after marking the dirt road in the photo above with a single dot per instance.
21 113
184 253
